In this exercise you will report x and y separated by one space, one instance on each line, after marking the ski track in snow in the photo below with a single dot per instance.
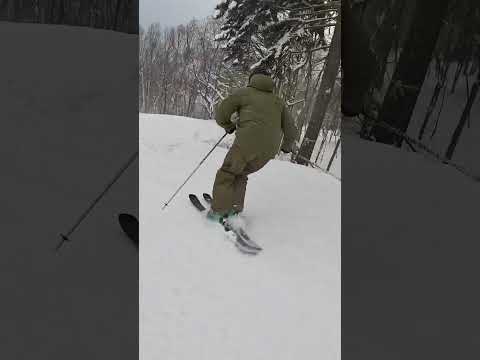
200 298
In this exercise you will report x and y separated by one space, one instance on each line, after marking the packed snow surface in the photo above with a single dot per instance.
200 298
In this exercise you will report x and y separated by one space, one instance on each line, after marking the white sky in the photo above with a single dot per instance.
174 12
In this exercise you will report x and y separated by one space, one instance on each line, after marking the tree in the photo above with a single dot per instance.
181 70
290 38
412 67
323 98
463 120
118 15
458 46
277 34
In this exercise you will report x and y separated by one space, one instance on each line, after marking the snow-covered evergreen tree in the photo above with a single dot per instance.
291 38
277 34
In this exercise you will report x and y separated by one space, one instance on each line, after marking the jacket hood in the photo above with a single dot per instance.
262 82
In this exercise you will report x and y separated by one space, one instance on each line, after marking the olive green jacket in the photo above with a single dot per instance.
263 119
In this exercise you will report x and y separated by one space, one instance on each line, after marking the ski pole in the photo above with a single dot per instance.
193 172
65 237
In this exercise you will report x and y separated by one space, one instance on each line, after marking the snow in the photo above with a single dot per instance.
280 43
221 35
410 254
245 24
66 130
200 298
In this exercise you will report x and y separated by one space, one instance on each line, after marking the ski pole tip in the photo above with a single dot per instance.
64 239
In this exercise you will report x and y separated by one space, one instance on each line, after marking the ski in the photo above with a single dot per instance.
239 241
241 232
207 198
194 199
129 225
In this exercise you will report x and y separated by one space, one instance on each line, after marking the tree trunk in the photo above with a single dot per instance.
323 97
333 155
412 67
384 41
441 84
463 119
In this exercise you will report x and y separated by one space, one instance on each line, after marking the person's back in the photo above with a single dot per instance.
263 118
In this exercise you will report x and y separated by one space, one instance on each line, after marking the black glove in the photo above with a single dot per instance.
231 131
286 151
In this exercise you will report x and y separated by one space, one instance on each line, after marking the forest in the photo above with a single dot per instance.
117 15
425 52
186 70
427 78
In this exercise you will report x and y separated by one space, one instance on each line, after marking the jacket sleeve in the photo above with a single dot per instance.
289 130
225 109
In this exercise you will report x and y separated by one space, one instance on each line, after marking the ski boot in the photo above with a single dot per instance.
216 217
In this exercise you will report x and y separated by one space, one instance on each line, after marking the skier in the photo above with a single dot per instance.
263 118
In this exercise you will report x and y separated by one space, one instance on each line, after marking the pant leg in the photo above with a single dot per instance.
224 187
240 185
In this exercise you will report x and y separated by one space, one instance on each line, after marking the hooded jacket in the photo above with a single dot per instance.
263 119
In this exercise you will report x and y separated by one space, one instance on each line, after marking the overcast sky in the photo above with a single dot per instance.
174 12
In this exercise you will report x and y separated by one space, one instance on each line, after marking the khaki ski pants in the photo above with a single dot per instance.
231 180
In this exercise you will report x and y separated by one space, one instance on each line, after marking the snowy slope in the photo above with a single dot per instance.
66 129
410 256
200 298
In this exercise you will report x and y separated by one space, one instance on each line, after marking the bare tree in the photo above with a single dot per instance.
463 120
411 70
323 98
119 15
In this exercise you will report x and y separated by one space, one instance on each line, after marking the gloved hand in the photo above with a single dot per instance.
232 130
286 151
